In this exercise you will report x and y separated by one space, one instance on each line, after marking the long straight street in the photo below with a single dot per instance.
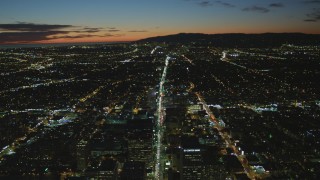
160 119
226 137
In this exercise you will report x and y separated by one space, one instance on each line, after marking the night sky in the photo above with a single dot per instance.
58 21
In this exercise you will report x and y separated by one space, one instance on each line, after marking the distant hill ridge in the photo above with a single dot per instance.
239 39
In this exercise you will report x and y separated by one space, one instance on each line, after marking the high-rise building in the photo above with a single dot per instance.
191 159
139 148
82 155
133 170
191 164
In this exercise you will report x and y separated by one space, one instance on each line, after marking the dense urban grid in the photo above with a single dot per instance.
150 110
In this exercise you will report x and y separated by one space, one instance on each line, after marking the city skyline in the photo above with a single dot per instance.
38 21
210 90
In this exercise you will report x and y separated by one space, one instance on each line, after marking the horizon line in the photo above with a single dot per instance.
102 42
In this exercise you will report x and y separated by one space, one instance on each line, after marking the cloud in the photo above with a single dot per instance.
90 29
310 20
205 3
256 9
276 5
26 37
208 3
311 2
32 27
137 31
113 35
313 16
113 30
224 4
22 32
75 36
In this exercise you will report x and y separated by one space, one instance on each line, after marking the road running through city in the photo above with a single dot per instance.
226 137
160 119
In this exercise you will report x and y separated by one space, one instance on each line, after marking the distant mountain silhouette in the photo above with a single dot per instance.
240 40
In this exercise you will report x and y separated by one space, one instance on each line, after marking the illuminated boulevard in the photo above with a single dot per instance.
160 119
226 137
